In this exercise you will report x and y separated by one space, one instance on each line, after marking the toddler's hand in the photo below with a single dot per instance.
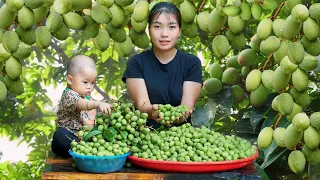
105 107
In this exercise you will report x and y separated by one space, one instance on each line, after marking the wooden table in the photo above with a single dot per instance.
58 168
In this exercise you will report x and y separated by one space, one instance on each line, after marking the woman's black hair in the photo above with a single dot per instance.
164 7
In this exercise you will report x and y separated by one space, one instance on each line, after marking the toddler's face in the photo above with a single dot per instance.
83 82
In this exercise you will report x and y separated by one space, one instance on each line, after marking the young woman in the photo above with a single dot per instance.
163 74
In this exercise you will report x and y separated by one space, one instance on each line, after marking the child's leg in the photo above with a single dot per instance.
61 142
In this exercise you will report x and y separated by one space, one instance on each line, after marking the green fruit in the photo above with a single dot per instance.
117 34
215 71
278 136
235 24
212 85
33 4
230 76
231 10
40 13
244 71
237 93
220 46
311 28
90 28
43 37
301 98
1 34
290 4
256 10
315 119
140 12
300 13
10 41
311 47
13 86
253 80
296 52
314 11
4 55
23 51
271 4
281 52
255 43
296 109
118 16
125 48
232 61
189 29
297 162
100 14
124 3
300 122
13 68
312 156
139 27
203 20
14 5
287 66
259 96
264 29
141 40
280 79
292 137
27 36
62 6
283 103
54 22
73 20
26 17
216 21
270 45
7 16
266 78
277 27
237 41
188 11
47 3
102 40
247 57
80 5
300 79
311 137
291 28
106 3
62 34
245 11
3 91
265 137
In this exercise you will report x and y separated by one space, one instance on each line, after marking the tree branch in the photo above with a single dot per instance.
105 95
278 10
201 6
265 64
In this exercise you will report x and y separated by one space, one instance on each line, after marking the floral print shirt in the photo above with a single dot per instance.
69 117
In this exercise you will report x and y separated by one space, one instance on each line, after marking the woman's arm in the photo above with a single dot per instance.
139 94
190 94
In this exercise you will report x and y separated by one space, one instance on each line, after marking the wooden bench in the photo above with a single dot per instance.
58 168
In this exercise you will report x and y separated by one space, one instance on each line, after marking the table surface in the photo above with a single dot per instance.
58 168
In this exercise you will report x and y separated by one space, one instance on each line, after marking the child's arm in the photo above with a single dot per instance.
84 104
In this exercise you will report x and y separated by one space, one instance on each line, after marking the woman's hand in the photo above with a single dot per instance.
156 113
184 117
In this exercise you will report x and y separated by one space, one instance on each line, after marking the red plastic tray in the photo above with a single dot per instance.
193 167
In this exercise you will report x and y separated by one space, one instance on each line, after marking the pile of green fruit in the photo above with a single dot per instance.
189 144
170 114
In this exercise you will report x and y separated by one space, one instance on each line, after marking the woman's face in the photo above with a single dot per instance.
164 32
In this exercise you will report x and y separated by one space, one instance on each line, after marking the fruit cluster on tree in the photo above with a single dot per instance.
278 59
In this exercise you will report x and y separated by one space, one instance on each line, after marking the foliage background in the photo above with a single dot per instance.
27 116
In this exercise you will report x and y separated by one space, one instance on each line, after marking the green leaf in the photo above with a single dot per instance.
244 126
124 134
272 153
257 115
91 134
313 171
199 117
224 99
113 130
262 173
